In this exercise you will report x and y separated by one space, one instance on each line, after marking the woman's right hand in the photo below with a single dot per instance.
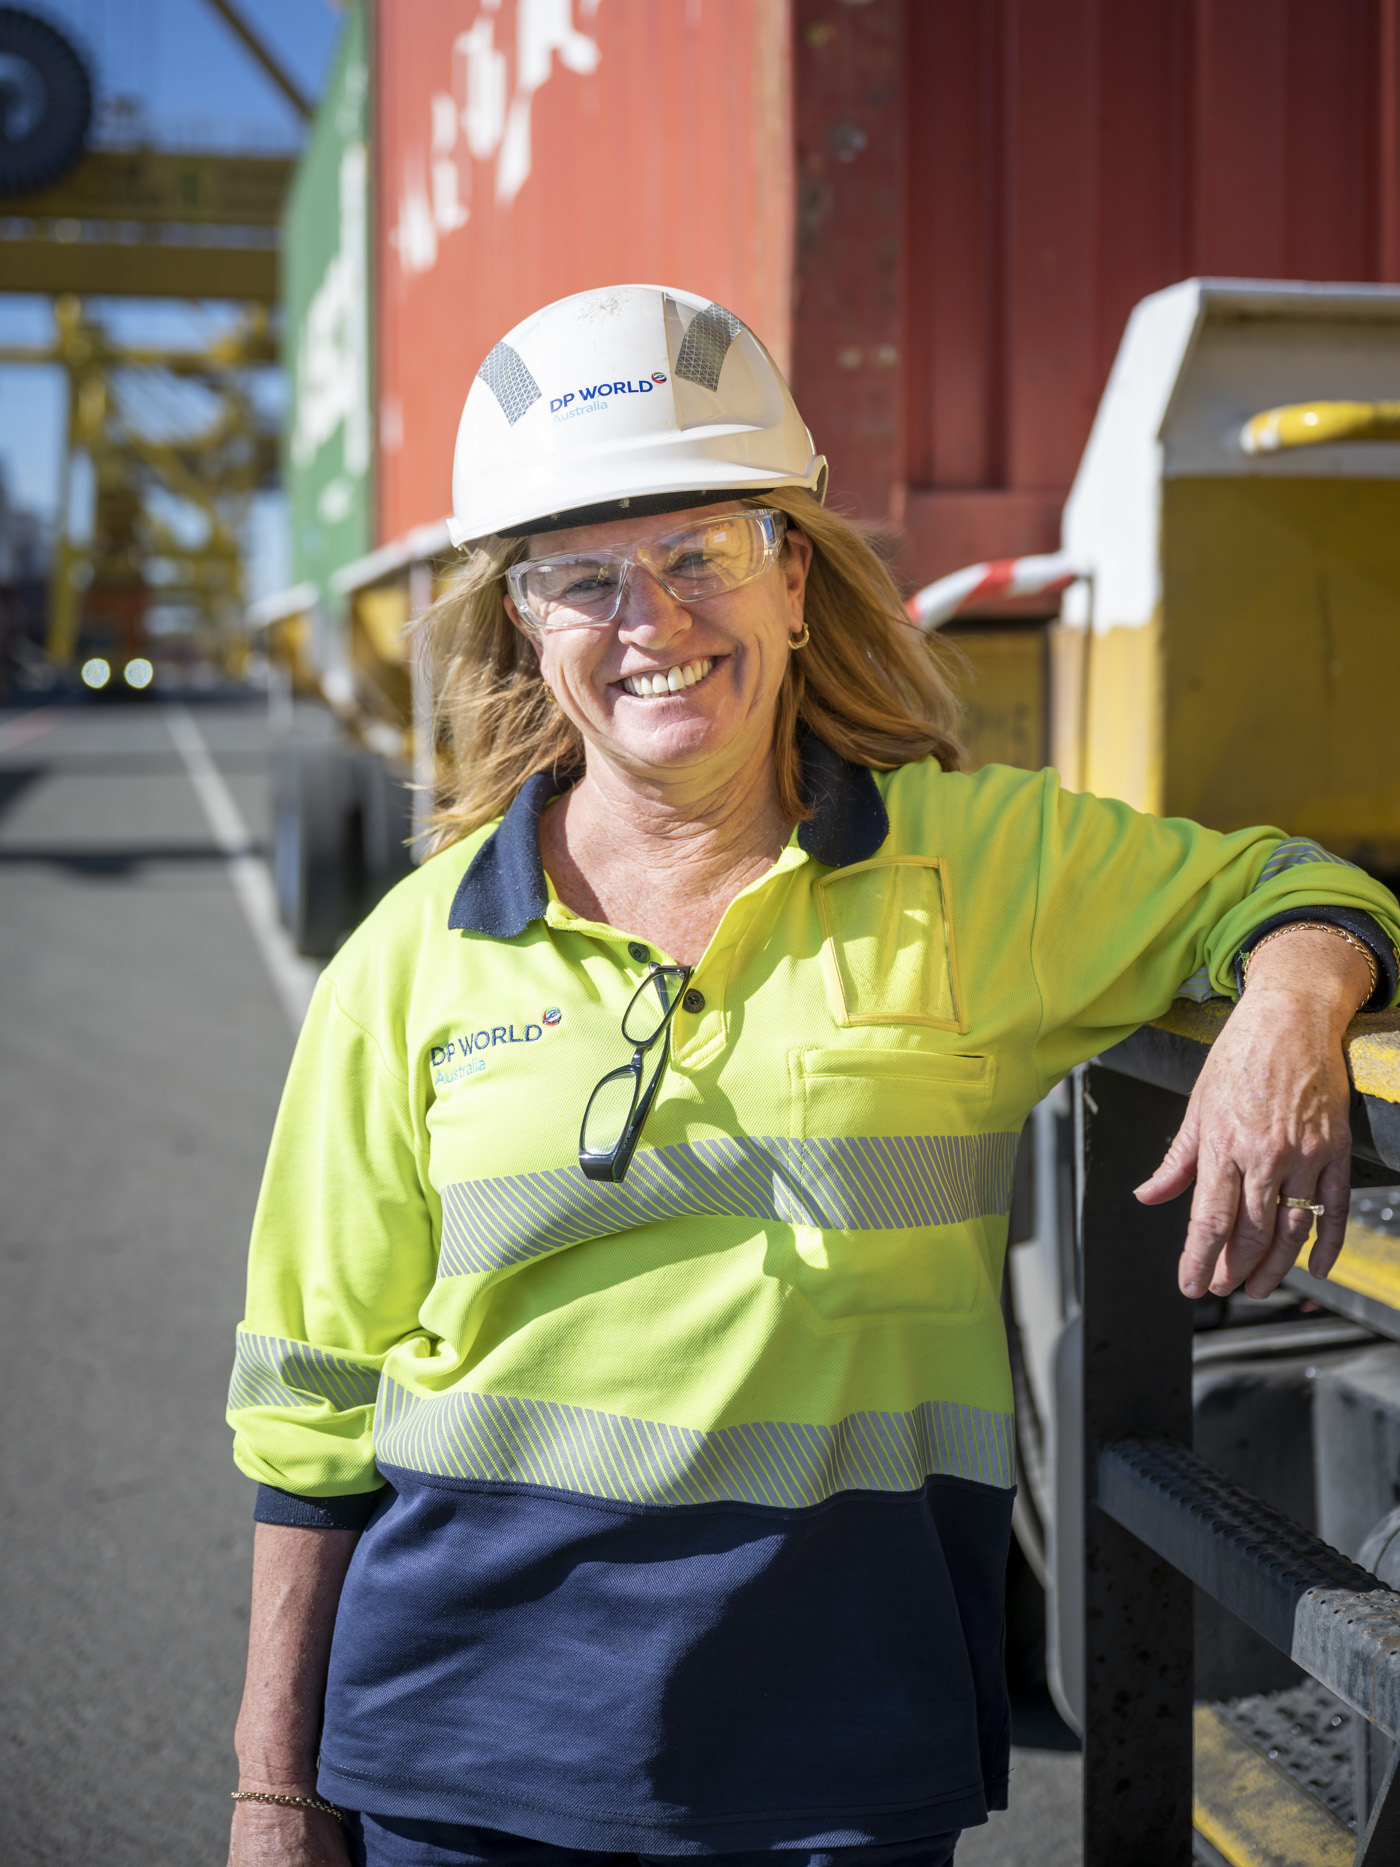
266 1835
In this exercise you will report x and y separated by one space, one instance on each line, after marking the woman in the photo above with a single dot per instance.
623 1369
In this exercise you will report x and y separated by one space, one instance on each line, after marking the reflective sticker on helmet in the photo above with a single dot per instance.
706 344
506 376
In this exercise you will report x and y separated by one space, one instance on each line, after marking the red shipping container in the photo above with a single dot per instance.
531 148
936 213
1067 157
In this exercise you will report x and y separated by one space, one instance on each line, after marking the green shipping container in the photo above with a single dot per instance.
326 295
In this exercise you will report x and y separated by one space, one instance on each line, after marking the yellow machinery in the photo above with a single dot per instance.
173 468
1227 648
345 814
176 449
150 223
172 438
1228 640
1234 649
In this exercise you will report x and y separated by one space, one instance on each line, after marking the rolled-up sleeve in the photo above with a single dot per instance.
1133 911
343 1253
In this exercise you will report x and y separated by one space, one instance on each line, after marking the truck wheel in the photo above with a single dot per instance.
317 862
286 834
386 821
45 103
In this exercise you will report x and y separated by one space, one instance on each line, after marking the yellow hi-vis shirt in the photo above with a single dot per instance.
786 1317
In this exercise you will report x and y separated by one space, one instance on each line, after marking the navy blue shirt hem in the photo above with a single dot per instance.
612 1831
711 1679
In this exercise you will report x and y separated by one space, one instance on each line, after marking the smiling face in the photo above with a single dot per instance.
669 687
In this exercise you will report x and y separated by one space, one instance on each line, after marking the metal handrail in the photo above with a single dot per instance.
1148 1520
1171 1052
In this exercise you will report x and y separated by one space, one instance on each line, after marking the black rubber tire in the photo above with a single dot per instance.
45 103
386 822
286 834
317 861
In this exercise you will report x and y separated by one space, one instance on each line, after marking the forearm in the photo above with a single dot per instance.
297 1579
1320 970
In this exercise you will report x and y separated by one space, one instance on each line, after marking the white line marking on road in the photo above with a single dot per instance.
293 977
17 733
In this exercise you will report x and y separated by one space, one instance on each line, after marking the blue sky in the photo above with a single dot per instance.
194 86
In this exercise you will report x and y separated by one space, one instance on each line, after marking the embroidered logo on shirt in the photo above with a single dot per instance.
466 1054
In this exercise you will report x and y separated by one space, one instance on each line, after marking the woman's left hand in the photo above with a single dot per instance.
1269 1119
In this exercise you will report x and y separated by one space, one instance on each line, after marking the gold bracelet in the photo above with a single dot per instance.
286 1802
1326 927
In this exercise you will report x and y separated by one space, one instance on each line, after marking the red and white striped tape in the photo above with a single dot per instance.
1001 581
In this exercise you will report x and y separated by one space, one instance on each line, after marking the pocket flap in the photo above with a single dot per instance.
887 943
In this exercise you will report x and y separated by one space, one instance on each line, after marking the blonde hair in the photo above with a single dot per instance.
867 683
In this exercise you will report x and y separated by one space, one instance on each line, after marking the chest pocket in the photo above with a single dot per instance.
887 943
892 1170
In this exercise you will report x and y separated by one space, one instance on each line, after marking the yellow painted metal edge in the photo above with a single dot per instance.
1202 1023
1369 1265
1373 1042
1373 1051
1252 1813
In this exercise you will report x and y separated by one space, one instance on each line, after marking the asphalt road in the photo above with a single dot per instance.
144 1034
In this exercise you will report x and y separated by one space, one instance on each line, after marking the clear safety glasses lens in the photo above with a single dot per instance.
582 589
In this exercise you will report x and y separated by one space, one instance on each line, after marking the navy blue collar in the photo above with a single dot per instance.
504 889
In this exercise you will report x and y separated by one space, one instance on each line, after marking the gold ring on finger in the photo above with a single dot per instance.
1303 1205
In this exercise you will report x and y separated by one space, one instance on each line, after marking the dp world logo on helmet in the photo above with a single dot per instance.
698 401
599 395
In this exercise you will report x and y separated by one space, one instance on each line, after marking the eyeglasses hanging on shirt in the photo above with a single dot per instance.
619 1105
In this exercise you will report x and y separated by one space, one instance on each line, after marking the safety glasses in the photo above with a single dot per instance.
584 589
618 1107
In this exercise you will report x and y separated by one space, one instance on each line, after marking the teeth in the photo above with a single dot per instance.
669 680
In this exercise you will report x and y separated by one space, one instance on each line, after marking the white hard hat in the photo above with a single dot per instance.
620 402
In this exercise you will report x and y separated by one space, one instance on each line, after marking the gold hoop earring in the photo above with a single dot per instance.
800 641
549 695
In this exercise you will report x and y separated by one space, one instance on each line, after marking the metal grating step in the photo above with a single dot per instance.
1308 1734
1254 1809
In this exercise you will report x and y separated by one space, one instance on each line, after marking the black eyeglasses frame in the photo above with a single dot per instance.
612 1164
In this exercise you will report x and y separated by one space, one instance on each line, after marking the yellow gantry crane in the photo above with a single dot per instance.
176 447
172 439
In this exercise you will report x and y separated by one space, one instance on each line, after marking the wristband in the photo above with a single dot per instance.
1327 927
286 1802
